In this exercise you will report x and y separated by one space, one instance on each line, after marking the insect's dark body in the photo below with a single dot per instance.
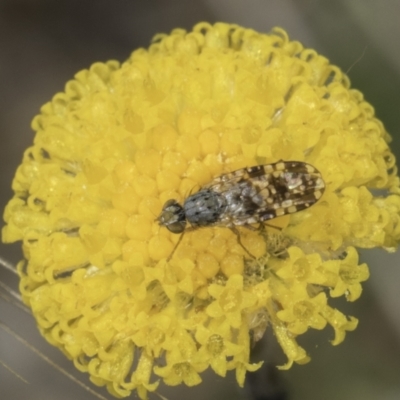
247 196
204 208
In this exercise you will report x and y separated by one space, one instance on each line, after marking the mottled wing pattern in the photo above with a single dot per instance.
264 192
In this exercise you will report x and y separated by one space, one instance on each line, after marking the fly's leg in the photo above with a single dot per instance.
262 231
276 243
179 241
237 233
176 246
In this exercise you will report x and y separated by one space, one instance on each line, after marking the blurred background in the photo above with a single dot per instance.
43 43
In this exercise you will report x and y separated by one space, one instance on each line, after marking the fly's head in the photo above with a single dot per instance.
173 217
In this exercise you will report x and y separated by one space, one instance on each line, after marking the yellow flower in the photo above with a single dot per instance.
339 323
230 301
107 284
287 341
183 363
300 311
342 276
216 345
240 361
348 275
151 332
302 267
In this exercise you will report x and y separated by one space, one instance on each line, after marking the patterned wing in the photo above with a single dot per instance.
264 192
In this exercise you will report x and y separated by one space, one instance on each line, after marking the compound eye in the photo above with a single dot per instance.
173 217
177 227
170 203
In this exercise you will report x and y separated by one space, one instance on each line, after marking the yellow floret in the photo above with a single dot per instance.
112 289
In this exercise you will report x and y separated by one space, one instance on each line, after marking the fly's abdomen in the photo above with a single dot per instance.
204 208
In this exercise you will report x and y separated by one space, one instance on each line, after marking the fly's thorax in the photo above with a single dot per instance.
204 208
173 217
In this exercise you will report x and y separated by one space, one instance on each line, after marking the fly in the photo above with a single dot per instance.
246 196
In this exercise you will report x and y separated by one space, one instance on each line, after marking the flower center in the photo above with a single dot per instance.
303 310
301 268
155 337
215 344
349 274
230 299
182 368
